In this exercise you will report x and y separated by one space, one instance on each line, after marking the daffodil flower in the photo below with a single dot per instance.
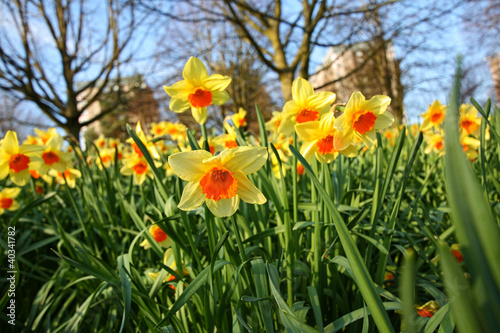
16 161
361 118
434 116
220 180
435 142
239 119
305 105
7 199
318 137
198 90
469 121
159 236
69 176
138 167
169 261
53 156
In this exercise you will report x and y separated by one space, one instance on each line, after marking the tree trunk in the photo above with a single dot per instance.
286 79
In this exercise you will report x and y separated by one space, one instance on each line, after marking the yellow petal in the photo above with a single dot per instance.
14 206
354 103
377 104
10 145
219 97
245 159
369 138
192 197
179 105
199 114
350 151
20 178
216 82
4 170
189 165
321 101
247 191
308 131
224 207
326 158
342 140
308 149
384 120
301 90
179 89
195 72
11 192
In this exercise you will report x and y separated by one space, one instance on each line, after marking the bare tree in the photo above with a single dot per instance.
288 36
61 54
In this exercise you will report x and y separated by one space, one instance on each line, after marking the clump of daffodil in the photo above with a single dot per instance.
360 119
239 119
198 90
220 180
17 160
470 122
53 156
318 137
159 236
68 177
305 105
434 116
8 199
470 145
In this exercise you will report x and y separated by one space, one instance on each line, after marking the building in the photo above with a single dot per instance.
137 103
495 73
368 67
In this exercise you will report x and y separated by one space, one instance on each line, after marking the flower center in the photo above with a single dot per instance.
219 183
34 174
50 158
469 125
6 202
439 145
306 115
363 121
230 144
106 159
437 117
18 162
140 168
242 122
158 234
325 145
200 98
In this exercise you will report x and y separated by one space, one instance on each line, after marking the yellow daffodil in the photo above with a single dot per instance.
428 309
53 156
470 145
361 118
305 105
228 140
148 144
101 142
434 116
435 142
158 129
470 122
44 136
239 119
138 167
275 122
198 90
220 180
7 199
16 161
159 236
107 158
69 176
169 261
318 137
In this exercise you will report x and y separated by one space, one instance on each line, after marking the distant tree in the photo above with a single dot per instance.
48 46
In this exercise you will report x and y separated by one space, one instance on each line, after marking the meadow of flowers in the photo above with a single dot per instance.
330 218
